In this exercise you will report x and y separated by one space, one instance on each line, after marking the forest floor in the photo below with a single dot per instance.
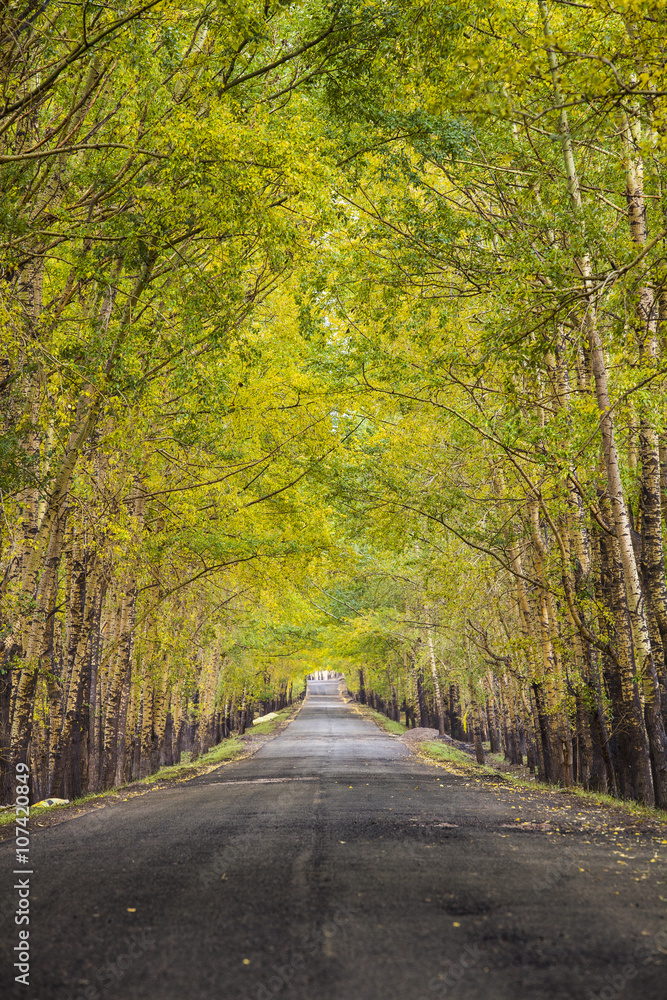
338 863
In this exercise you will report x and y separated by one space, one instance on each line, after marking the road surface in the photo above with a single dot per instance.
335 865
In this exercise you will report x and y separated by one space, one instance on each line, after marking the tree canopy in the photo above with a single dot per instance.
333 335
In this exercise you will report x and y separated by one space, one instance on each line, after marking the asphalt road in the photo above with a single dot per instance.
334 865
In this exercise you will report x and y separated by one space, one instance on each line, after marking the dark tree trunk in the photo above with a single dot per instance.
454 717
396 715
424 718
494 735
634 772
551 772
167 748
362 687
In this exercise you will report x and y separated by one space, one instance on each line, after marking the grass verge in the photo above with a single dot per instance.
389 726
452 755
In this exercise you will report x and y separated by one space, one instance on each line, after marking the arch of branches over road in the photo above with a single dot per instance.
333 337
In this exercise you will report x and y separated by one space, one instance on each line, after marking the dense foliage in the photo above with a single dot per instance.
334 336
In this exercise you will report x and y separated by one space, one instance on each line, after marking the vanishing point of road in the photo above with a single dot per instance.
334 864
